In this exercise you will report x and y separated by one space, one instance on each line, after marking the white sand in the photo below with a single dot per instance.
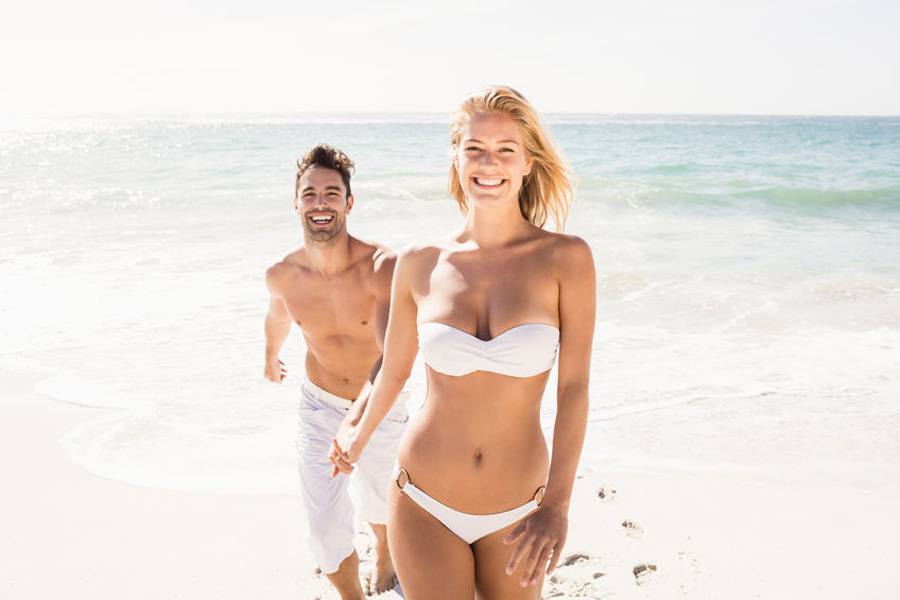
67 533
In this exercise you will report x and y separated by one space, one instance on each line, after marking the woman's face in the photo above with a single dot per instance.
490 158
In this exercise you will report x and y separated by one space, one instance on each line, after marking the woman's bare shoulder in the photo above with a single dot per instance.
568 249
418 256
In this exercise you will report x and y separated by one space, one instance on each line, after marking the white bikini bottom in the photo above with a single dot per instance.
468 527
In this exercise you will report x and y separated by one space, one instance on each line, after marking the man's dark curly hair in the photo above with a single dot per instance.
327 157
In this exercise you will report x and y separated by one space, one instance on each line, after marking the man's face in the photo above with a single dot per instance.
322 203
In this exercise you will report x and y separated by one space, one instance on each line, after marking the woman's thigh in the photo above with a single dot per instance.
492 582
431 562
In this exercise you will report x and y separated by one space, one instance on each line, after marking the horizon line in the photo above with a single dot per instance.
408 113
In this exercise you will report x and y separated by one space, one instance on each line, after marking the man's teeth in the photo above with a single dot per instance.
322 219
486 181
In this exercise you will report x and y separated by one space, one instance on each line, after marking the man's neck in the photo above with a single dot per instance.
331 257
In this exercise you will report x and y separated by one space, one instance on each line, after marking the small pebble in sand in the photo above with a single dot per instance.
598 575
317 572
606 493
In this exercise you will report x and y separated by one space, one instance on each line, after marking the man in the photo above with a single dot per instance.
337 289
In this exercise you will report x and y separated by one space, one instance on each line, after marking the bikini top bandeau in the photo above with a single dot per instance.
522 351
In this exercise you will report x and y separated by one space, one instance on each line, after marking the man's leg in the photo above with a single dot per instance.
385 577
329 510
346 579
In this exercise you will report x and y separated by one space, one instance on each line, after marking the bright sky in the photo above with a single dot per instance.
632 56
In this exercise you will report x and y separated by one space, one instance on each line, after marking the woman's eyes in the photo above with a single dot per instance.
477 149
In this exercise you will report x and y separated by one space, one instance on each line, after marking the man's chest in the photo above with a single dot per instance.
342 306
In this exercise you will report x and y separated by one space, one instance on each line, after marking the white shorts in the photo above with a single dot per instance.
329 509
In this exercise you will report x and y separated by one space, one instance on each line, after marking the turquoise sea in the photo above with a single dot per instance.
749 284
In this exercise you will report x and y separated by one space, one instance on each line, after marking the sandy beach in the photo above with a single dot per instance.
67 532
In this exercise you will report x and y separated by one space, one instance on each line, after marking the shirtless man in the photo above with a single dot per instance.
337 289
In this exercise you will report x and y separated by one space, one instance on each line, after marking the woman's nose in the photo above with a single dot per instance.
488 158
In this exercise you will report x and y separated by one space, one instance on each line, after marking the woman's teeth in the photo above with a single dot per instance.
488 182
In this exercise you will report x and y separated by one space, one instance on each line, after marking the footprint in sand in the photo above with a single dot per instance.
606 493
577 576
632 529
643 573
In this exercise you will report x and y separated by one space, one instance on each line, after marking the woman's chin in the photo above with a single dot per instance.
490 197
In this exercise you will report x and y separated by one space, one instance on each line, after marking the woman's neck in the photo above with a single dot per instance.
494 226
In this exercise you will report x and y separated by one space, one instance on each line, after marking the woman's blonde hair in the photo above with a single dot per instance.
546 191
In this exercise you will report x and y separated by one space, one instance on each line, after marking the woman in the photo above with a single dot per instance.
478 505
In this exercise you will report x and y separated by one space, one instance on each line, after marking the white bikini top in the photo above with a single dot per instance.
522 351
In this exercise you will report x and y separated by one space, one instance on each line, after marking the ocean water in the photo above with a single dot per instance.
748 295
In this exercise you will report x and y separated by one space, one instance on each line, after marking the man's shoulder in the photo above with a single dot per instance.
286 269
373 256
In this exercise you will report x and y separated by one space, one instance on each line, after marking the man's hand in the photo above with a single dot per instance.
346 447
344 432
274 370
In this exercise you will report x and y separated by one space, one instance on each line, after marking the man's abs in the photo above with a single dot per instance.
341 370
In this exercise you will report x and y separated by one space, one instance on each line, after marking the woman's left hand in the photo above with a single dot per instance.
541 537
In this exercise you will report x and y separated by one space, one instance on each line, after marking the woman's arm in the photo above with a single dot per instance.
543 535
577 313
400 347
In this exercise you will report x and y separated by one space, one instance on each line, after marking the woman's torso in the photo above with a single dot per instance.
476 444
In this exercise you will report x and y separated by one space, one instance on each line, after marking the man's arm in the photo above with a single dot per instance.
277 327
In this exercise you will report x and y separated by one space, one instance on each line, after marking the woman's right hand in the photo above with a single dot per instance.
335 455
274 370
346 448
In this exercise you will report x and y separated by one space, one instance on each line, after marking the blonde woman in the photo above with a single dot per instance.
479 506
